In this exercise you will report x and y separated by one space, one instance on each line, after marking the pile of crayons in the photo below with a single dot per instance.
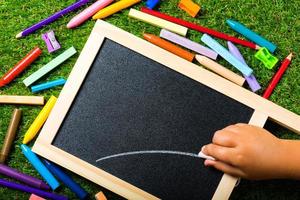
172 36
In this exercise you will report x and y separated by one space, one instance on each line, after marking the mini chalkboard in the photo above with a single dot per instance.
133 117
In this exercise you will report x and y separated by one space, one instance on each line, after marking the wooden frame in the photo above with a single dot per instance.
264 109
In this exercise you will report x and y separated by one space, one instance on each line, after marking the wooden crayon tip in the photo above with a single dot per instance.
147 36
3 158
100 196
290 56
19 35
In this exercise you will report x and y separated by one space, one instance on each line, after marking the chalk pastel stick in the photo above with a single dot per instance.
28 189
24 178
220 70
10 134
155 21
50 66
24 100
40 120
40 167
251 80
48 85
240 28
182 41
67 180
224 53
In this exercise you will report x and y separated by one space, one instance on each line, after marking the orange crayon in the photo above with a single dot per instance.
169 47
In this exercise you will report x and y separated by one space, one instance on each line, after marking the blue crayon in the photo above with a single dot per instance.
240 28
48 85
40 167
67 180
151 3
224 53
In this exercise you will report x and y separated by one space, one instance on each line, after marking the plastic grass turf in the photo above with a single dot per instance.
277 20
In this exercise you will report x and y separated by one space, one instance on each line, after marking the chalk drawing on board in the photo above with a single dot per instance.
200 155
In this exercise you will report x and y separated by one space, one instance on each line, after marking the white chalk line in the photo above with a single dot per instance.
200 155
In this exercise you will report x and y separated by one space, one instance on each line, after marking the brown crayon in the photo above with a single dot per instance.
10 135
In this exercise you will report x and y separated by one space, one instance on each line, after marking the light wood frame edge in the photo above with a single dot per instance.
103 30
228 182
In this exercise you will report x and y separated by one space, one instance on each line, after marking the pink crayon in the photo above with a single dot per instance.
88 12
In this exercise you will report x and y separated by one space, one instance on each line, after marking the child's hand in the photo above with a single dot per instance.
250 152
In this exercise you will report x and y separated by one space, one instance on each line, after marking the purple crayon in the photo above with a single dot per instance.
251 80
52 18
24 188
29 180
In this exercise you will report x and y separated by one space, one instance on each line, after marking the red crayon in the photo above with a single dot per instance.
277 76
200 28
20 66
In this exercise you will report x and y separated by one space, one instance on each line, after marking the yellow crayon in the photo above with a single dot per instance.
116 7
40 120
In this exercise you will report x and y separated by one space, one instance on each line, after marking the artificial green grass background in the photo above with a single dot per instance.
277 20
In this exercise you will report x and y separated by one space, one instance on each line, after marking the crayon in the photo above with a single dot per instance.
275 80
200 29
220 70
10 135
190 7
155 21
24 188
152 3
251 80
50 66
52 18
182 41
40 167
48 85
35 197
88 12
224 53
67 180
238 27
40 120
100 196
116 7
24 178
20 66
25 100
169 47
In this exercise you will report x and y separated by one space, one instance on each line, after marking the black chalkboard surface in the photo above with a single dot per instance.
144 123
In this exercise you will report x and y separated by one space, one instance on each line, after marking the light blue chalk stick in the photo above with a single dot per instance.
262 42
224 53
48 85
40 167
50 66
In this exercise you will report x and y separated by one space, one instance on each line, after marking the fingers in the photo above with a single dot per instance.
236 128
220 153
226 168
224 138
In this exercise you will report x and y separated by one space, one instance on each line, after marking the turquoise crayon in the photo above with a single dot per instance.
40 167
240 28
224 53
48 85
67 180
